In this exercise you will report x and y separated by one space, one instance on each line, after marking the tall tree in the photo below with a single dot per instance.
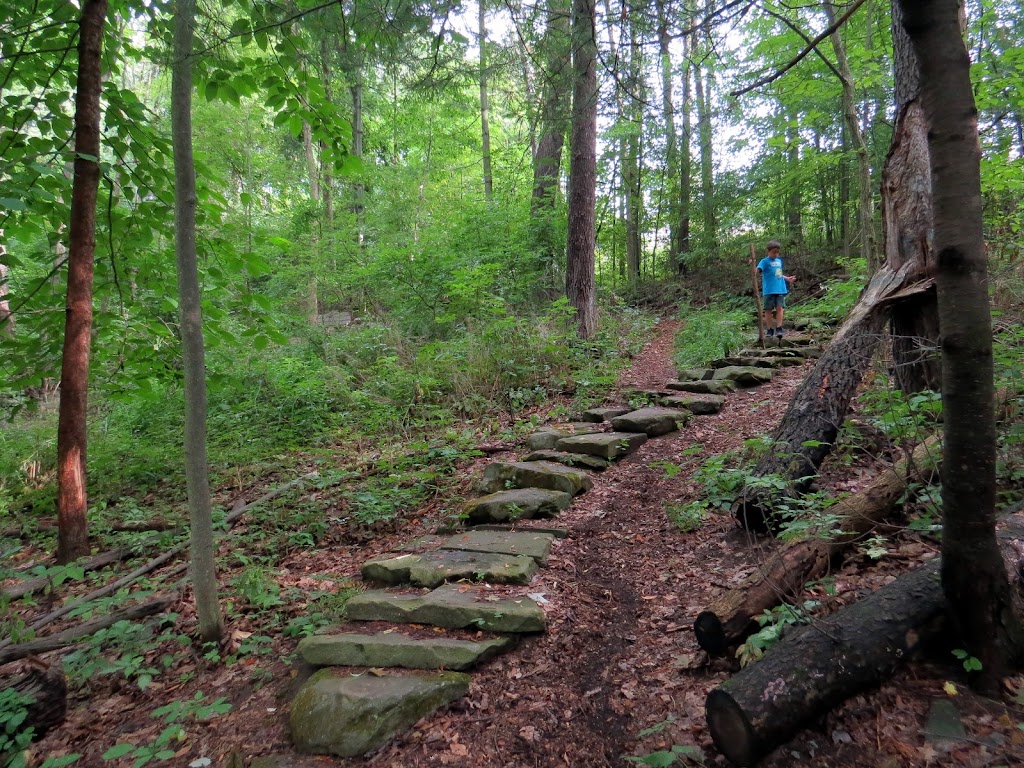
6 318
675 228
632 118
72 498
974 579
579 276
197 480
702 93
485 121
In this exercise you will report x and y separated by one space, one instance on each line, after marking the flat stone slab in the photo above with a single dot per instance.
451 606
595 463
653 422
744 376
500 476
607 445
505 506
773 353
598 415
694 374
715 387
527 543
545 439
431 569
393 649
558 533
751 361
336 713
698 405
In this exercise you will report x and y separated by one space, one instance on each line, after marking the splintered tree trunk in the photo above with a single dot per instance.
819 666
203 566
579 278
974 580
733 616
73 531
907 224
811 423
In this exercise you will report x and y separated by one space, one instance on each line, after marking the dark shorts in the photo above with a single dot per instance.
775 301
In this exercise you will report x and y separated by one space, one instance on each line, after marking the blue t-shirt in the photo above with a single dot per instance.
772 280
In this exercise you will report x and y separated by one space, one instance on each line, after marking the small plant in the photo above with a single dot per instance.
971 663
687 517
773 624
679 754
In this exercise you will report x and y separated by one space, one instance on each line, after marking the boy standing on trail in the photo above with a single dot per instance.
774 287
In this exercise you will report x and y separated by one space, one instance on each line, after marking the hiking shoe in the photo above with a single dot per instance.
778 332
771 332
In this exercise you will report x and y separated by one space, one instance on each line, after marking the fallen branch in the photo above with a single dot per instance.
733 616
101 560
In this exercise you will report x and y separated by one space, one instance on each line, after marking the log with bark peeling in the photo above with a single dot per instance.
809 428
733 616
815 668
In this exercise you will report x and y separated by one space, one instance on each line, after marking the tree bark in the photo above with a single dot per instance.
907 224
72 499
485 125
6 318
632 116
733 616
671 142
707 177
204 572
46 685
974 581
579 279
685 161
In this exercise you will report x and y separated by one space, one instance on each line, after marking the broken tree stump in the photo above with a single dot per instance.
818 666
45 685
733 616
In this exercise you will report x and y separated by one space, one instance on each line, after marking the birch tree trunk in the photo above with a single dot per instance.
203 566
72 499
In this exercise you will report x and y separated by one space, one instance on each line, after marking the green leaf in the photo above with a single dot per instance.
118 750
12 205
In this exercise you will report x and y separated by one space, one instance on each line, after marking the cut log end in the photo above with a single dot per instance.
710 633
730 729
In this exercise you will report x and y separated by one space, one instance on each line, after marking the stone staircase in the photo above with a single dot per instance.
436 613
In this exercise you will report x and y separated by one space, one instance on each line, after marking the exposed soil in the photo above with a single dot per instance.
619 655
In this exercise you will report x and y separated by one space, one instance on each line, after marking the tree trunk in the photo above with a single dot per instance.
907 224
633 118
579 279
203 568
485 125
685 163
547 160
811 423
732 616
73 531
974 580
795 199
865 199
48 689
6 318
707 178
815 668
671 141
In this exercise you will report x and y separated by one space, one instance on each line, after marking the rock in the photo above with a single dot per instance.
450 606
595 463
744 376
266 761
338 714
694 374
528 543
421 543
499 476
431 569
945 727
750 361
584 428
598 415
393 649
719 387
517 503
607 445
545 439
651 421
772 353
558 533
698 405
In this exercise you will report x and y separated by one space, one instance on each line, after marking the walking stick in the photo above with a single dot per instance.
757 295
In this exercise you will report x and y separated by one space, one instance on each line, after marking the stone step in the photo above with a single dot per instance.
337 713
530 544
695 374
431 569
393 649
653 422
607 445
506 506
499 476
698 405
606 413
773 352
744 376
755 361
558 533
451 606
716 387
595 463
545 439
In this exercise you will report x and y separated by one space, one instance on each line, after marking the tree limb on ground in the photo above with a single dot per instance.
733 616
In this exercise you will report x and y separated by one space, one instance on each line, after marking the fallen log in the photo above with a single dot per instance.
38 583
816 667
733 616
809 428
819 666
